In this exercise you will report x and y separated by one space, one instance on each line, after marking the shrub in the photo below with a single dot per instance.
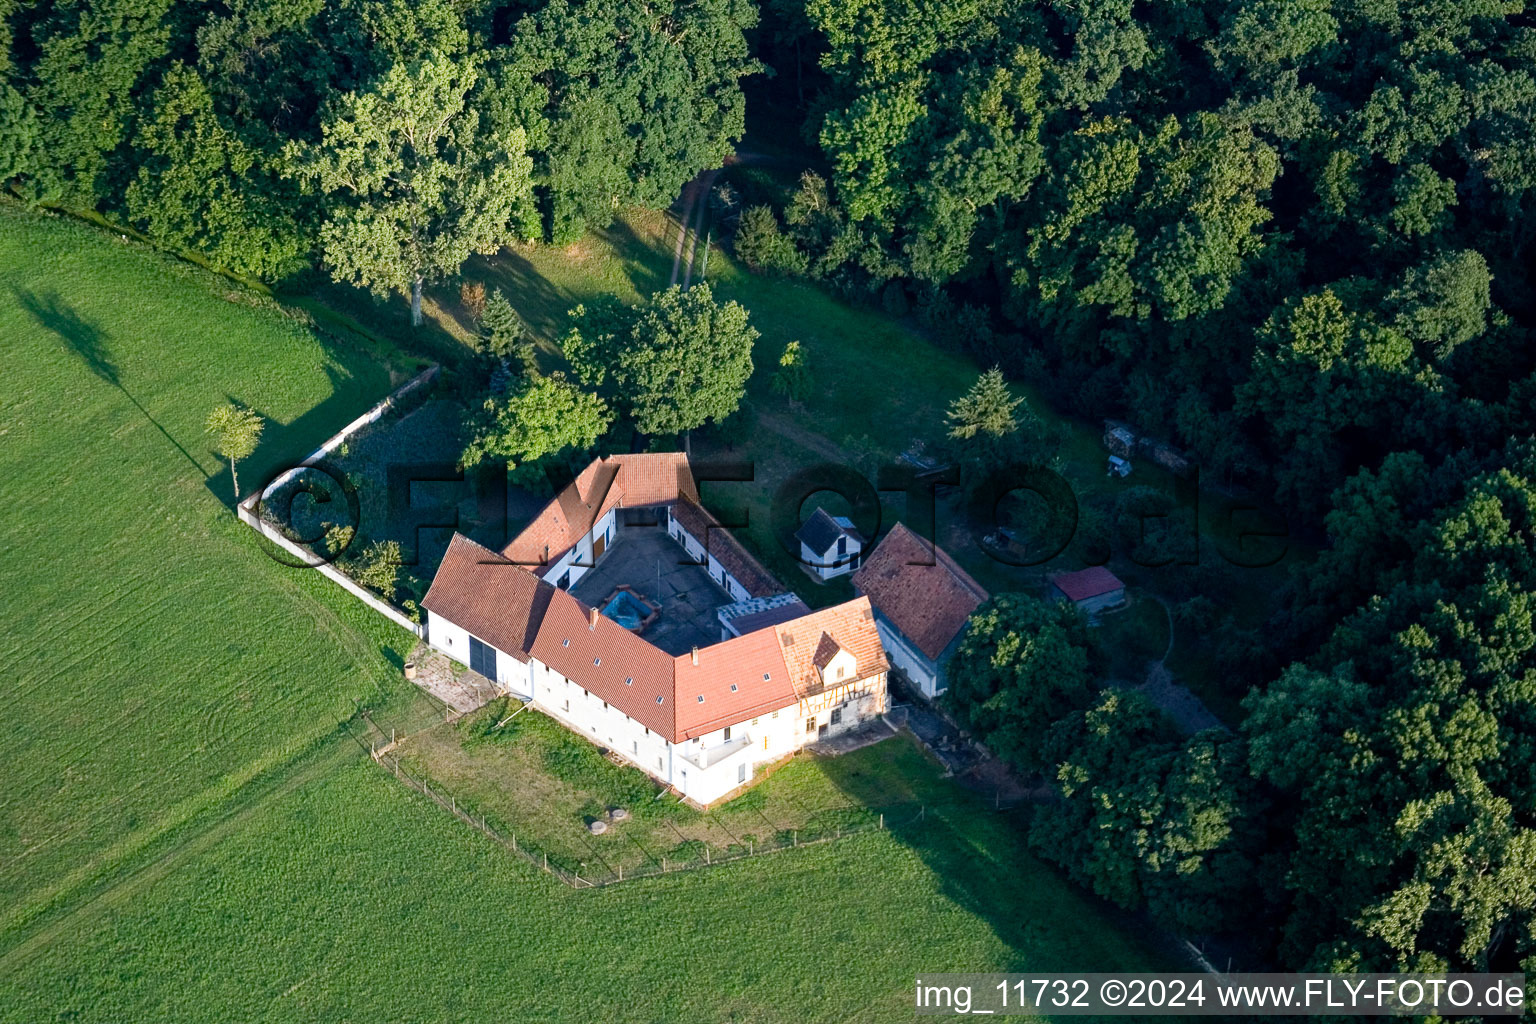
337 540
378 567
472 298
763 247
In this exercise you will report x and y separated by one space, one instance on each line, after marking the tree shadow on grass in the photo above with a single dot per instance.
537 300
88 342
638 256
983 858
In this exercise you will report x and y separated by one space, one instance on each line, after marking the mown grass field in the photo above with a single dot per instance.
186 833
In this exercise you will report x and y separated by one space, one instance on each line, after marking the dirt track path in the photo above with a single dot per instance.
693 214
695 211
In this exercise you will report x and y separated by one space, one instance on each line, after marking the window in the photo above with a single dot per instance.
629 680
701 698
842 545
597 661
810 724
741 772
658 700
733 687
754 721
840 671
637 746
765 677
659 765
837 715
775 714
566 642
567 703
727 737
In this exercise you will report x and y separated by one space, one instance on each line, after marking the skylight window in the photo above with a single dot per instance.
701 698
566 642
765 677
733 687
658 700
629 680
597 661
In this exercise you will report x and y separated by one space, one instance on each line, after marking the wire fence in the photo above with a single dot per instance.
691 853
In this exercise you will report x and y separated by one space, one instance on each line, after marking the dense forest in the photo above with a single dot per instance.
1293 235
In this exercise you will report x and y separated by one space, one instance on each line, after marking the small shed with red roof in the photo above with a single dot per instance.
1093 590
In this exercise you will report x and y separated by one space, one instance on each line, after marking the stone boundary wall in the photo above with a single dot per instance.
246 509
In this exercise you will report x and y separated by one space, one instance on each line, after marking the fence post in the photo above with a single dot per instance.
882 819
621 872
514 842
546 860
794 837
706 853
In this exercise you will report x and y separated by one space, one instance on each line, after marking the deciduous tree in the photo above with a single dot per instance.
415 181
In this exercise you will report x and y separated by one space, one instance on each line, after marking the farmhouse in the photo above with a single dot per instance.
829 545
697 712
921 599
1092 590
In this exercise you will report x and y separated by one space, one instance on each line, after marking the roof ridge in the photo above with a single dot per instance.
955 568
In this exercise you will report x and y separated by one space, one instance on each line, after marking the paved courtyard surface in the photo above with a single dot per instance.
458 687
647 559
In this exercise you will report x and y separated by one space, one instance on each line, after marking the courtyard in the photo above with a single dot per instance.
655 566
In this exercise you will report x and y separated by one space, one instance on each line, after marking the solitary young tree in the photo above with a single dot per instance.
415 181
506 336
235 432
986 409
793 377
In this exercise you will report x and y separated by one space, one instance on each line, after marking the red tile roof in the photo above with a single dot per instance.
851 625
826 650
516 612
1094 582
613 481
497 601
739 679
603 657
506 606
919 589
717 541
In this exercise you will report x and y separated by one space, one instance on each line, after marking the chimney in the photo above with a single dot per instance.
592 618
695 655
